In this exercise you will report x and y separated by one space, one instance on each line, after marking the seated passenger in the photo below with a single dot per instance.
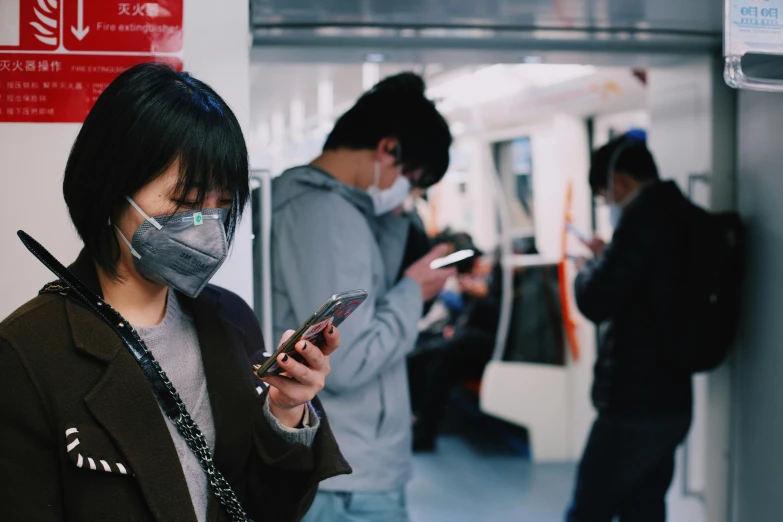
155 184
462 349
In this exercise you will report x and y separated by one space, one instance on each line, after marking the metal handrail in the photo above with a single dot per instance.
264 179
687 492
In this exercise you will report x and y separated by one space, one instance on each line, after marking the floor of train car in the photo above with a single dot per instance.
481 471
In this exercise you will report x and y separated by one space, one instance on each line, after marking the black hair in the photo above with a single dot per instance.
398 107
148 118
627 154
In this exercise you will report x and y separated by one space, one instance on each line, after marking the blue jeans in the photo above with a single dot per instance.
627 467
346 506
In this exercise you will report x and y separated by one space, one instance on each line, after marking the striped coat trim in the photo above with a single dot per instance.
72 442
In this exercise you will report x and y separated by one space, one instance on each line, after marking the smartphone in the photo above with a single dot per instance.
332 313
452 259
578 233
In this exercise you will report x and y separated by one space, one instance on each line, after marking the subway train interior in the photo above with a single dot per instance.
529 89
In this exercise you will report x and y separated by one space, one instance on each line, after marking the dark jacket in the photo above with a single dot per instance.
417 245
483 313
630 293
63 368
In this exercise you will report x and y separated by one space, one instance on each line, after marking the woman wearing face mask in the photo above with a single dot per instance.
155 184
334 229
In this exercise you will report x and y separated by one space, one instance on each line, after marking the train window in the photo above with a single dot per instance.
514 163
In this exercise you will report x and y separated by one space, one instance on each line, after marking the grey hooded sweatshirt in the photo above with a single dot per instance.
326 239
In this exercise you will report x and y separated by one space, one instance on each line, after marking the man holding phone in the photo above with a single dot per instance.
627 290
340 206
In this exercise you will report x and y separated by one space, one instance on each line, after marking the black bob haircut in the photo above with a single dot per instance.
627 154
397 107
148 118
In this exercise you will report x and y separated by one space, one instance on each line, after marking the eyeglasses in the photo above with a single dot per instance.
422 179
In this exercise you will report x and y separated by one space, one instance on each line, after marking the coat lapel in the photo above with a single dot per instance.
229 383
124 406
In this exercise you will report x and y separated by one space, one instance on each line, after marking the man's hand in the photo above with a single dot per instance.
431 281
448 332
596 245
472 286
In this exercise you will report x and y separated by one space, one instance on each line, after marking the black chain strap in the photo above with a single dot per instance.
185 424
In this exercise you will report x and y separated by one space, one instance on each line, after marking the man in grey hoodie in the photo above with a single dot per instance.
343 208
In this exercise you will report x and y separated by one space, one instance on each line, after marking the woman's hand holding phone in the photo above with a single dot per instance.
431 281
299 384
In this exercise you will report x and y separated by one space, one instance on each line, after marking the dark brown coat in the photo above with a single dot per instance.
62 368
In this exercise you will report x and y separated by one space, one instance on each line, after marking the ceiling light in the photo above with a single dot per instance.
495 82
375 57
370 75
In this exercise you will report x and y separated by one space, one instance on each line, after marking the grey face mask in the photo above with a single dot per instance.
182 251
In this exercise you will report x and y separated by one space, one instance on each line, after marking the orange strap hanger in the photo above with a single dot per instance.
562 273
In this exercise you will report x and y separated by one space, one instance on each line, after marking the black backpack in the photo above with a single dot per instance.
710 291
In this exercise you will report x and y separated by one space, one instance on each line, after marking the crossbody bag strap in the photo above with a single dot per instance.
164 391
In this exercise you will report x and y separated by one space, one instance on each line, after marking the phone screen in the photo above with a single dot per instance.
332 313
452 259
578 233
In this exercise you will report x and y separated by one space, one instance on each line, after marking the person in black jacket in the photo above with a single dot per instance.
628 291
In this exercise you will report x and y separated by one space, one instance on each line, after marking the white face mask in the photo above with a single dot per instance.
615 213
616 207
615 210
388 199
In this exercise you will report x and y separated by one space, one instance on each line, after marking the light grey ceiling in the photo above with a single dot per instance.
469 26
659 15
274 86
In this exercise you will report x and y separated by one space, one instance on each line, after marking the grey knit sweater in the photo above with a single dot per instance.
175 345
